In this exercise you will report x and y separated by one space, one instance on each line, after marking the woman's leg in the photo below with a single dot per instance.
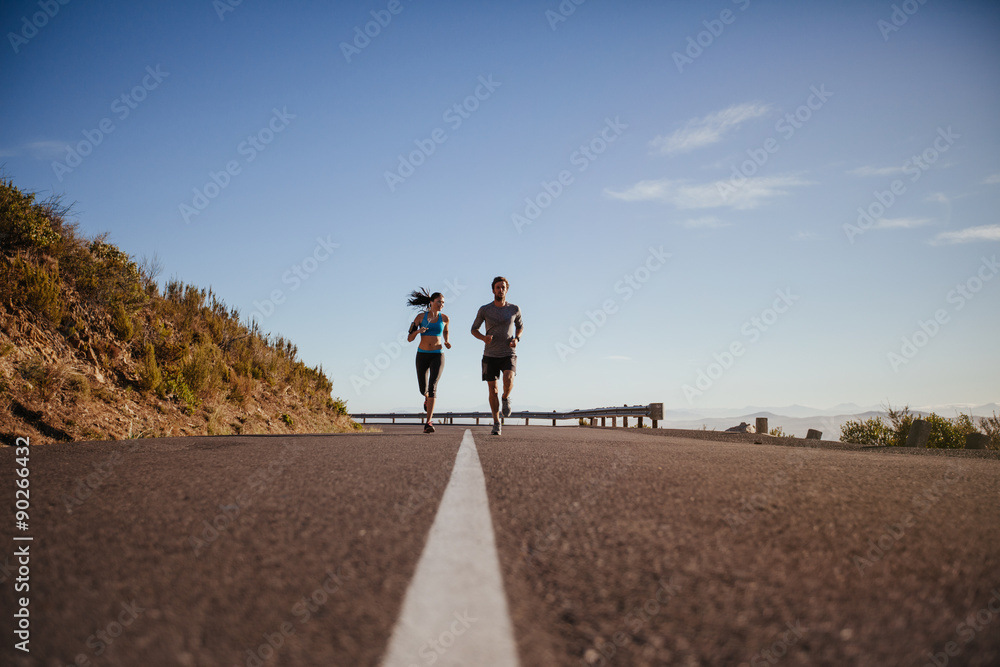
423 365
436 367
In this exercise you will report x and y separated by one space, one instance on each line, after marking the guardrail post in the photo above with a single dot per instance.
920 432
762 425
640 421
603 422
813 434
655 412
525 421
614 422
977 441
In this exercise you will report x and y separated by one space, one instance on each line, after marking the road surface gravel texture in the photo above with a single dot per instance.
616 547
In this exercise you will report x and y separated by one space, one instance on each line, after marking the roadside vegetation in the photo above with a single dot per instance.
91 347
946 433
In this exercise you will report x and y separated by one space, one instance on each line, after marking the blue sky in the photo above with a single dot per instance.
712 204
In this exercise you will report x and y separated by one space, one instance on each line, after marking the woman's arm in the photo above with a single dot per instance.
445 319
415 329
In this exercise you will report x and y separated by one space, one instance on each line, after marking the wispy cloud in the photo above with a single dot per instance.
687 195
618 357
902 223
699 132
875 171
968 235
992 180
47 150
706 222
38 150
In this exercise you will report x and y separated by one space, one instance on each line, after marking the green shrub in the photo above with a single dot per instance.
872 431
901 420
149 373
947 433
288 420
121 323
199 368
337 405
32 286
23 223
41 293
109 277
991 427
174 385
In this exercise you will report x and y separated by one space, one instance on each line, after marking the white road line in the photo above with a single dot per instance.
455 610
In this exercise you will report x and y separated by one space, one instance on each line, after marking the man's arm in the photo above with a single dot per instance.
518 329
475 328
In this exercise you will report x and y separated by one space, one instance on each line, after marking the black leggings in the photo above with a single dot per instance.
429 364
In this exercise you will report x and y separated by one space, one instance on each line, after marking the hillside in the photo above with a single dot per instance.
92 349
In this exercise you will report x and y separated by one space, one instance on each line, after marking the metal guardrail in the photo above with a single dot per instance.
653 411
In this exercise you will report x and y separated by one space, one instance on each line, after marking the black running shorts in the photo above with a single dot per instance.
493 367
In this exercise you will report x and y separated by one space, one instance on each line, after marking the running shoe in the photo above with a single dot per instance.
428 427
496 429
505 409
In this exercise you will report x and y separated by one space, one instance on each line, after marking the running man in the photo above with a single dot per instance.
503 333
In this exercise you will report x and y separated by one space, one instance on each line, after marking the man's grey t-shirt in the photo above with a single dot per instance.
503 323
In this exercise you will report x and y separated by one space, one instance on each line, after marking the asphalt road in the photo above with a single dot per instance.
615 548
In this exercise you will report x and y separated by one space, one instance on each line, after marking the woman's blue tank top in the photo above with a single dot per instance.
433 328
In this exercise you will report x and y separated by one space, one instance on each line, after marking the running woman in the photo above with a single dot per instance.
503 333
432 327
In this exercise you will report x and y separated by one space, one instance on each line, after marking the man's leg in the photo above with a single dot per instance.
494 400
508 382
